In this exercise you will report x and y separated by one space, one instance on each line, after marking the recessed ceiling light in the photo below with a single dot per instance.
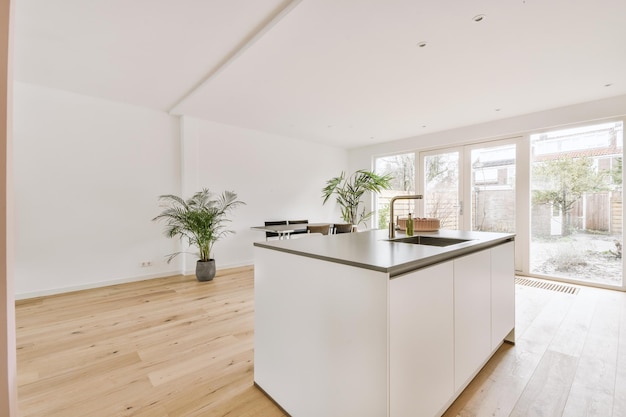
479 18
423 126
498 109
608 85
421 44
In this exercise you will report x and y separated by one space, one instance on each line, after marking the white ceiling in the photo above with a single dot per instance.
342 72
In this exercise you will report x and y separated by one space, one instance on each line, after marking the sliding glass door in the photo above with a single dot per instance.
559 191
576 208
472 187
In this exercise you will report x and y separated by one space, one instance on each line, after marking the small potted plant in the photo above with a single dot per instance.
200 221
349 191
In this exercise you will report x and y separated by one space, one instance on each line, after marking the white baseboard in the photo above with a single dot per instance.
53 291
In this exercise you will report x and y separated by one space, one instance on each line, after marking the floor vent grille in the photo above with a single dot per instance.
546 285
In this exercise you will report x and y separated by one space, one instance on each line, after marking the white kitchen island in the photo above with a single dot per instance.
355 325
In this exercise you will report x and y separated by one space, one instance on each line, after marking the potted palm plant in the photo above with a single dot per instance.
350 190
200 221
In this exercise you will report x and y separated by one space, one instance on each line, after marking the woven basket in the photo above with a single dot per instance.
426 224
423 224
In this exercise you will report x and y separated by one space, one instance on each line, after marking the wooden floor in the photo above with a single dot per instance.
569 359
163 347
176 347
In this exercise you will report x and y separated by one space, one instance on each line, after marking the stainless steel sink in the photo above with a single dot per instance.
430 240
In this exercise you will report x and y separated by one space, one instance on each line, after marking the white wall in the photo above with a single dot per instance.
88 173
278 178
515 126
594 110
87 176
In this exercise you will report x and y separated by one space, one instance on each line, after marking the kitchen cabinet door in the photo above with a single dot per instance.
502 292
472 315
421 375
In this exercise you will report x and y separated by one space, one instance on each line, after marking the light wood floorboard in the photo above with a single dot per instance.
174 347
157 348
569 359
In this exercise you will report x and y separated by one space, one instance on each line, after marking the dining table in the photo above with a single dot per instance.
284 231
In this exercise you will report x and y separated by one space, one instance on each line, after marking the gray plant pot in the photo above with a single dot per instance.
205 271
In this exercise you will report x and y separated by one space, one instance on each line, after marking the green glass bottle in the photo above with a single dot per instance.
409 225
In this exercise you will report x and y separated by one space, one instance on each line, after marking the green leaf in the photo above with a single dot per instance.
349 192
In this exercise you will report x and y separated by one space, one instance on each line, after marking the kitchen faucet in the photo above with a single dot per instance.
392 228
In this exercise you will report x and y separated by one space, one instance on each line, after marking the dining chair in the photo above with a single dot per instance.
297 232
273 223
323 229
343 228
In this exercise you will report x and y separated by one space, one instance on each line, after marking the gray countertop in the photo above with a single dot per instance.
372 250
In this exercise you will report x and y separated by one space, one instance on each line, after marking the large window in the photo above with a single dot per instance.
576 207
559 191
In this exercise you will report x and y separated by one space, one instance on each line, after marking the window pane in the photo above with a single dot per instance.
402 168
441 188
493 189
576 215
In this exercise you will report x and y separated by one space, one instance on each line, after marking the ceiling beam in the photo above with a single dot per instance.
239 50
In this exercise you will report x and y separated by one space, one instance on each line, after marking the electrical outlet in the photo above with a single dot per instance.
146 263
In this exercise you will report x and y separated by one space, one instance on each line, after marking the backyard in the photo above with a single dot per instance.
580 256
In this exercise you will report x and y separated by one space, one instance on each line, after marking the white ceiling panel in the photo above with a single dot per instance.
144 52
341 72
